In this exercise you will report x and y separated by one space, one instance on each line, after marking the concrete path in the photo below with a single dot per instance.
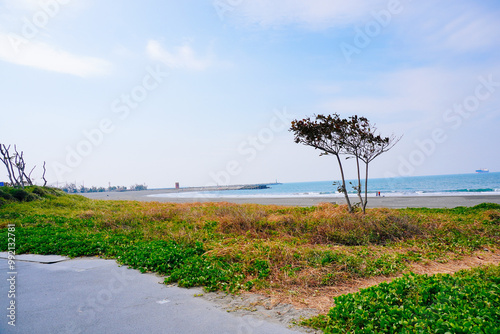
89 295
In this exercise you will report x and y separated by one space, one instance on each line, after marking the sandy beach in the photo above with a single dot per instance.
373 202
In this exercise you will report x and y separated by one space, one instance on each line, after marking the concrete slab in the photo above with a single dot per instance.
36 258
90 295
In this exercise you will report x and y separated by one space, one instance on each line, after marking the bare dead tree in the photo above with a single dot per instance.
21 166
43 176
30 180
7 161
16 166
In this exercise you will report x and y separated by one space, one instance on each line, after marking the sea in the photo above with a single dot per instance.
437 185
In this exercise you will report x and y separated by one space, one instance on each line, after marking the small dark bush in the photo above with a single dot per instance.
359 230
19 194
487 206
31 197
44 192
5 195
40 191
494 218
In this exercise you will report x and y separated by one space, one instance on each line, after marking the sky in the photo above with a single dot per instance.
203 92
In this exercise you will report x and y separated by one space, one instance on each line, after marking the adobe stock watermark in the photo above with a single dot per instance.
31 26
222 7
121 108
11 274
373 28
249 148
453 118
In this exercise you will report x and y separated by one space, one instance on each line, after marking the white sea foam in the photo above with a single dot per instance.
222 194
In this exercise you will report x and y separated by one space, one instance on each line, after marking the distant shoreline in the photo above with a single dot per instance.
373 202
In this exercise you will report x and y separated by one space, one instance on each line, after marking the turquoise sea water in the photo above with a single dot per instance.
459 184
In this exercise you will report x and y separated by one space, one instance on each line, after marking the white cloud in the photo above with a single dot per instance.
35 5
419 93
471 32
22 4
452 27
39 55
312 13
182 57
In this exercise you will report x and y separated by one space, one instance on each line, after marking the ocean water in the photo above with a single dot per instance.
449 185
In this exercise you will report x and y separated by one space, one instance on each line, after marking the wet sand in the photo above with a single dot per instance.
373 202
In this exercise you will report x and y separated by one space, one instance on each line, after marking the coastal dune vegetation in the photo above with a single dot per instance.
294 254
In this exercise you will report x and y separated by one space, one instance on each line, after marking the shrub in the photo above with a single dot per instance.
487 206
5 195
20 194
354 230
45 192
40 191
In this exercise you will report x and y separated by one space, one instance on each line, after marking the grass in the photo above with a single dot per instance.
229 247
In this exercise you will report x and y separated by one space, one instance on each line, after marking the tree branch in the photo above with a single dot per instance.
43 176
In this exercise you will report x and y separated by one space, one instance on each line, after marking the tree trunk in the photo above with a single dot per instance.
359 183
43 176
366 188
28 177
343 184
5 154
7 160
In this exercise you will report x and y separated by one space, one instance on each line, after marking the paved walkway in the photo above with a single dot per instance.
56 295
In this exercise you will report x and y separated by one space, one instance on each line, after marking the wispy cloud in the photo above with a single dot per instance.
452 27
420 93
46 57
311 13
469 32
22 4
181 57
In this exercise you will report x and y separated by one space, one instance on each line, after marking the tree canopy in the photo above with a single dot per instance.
354 137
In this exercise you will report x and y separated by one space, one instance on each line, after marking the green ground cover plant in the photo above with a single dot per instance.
466 302
277 250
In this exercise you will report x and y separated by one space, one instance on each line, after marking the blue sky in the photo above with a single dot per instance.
203 92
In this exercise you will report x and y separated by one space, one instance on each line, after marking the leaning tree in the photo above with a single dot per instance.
327 134
354 137
364 144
